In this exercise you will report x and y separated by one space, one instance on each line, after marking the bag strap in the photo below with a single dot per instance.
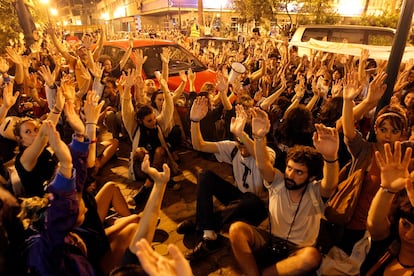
233 153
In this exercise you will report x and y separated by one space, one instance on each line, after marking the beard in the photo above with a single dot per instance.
290 184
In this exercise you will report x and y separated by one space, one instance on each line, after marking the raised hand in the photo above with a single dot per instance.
394 170
337 88
183 76
199 109
237 123
158 177
260 122
165 55
139 59
14 55
221 83
129 79
326 141
92 107
97 70
46 74
377 88
67 83
8 98
351 88
156 265
191 75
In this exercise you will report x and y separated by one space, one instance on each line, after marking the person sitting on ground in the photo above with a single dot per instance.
245 199
34 163
55 249
147 133
390 219
390 125
295 205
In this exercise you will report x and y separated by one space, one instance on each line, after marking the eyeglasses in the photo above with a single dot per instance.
246 172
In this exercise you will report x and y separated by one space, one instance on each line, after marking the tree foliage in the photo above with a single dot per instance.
322 11
387 19
253 9
10 30
9 26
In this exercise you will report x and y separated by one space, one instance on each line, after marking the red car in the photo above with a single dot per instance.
181 59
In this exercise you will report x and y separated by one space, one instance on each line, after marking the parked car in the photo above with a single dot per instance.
368 35
181 59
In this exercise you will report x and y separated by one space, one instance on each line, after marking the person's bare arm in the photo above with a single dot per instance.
180 89
349 93
148 222
326 141
127 109
260 128
198 111
394 178
127 54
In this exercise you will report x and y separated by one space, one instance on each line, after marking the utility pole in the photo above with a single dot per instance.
200 17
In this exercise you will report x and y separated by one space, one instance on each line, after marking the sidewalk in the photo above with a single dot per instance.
177 206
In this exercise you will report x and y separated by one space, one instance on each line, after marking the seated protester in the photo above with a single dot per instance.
215 109
105 245
111 114
390 219
55 249
34 163
390 126
147 133
295 205
245 199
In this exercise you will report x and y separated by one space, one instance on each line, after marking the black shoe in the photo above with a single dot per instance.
141 198
203 249
186 227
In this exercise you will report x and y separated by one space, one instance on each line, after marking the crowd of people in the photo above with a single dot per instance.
287 126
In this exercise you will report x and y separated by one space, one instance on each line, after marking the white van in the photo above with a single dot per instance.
368 35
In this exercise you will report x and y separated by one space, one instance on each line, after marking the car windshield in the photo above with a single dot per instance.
180 59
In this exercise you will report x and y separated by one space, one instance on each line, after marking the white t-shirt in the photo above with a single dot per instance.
254 179
282 210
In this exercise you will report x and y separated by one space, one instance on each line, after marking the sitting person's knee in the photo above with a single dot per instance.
239 230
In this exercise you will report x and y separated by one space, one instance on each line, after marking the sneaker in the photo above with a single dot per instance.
186 227
141 198
203 249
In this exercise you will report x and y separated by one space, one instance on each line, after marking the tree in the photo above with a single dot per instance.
10 29
254 9
386 19
322 11
9 26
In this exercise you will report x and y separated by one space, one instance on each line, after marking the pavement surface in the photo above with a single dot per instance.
177 206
